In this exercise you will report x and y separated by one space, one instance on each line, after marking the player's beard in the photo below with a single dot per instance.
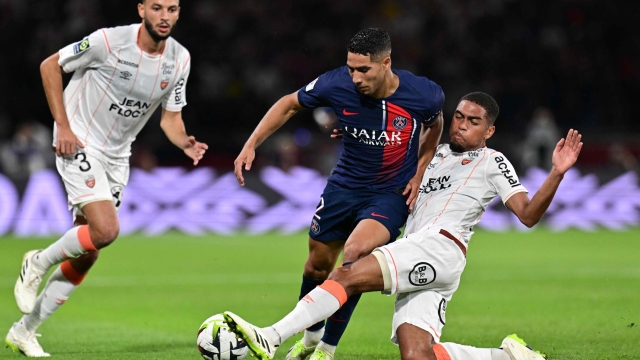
456 147
154 34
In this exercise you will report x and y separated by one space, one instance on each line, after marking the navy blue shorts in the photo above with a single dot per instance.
340 210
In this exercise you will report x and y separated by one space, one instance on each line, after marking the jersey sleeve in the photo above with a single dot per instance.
176 99
436 102
92 51
502 177
315 93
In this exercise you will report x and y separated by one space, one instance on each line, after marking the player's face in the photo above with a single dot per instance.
470 127
160 16
366 74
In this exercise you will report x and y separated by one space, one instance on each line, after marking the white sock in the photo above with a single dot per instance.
72 244
464 352
331 349
54 295
312 338
318 305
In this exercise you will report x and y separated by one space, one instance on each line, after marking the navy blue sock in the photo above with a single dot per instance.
307 286
337 323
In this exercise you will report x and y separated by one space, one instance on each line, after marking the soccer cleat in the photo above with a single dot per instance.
26 289
299 352
20 340
259 343
519 350
320 354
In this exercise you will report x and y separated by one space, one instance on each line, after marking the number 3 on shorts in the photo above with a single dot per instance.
84 164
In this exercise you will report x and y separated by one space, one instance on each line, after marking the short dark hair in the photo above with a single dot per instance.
372 41
487 102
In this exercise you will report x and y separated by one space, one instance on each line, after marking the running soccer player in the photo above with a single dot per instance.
392 122
120 76
423 269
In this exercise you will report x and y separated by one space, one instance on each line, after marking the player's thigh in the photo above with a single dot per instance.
367 235
364 275
424 310
84 178
322 258
414 342
388 209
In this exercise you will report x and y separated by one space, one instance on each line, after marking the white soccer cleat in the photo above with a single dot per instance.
259 343
320 354
519 350
26 289
20 340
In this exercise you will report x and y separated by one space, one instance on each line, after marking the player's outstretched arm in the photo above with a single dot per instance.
173 126
51 73
429 139
279 113
564 156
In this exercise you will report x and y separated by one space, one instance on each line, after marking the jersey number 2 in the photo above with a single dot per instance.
85 166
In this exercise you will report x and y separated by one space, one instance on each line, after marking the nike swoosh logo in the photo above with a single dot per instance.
378 215
348 113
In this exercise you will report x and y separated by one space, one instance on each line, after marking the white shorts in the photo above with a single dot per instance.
88 178
424 271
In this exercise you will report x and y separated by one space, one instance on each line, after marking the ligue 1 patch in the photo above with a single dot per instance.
116 192
400 122
442 309
164 82
422 274
90 181
311 85
315 227
81 46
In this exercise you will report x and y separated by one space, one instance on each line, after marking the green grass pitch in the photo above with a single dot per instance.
573 295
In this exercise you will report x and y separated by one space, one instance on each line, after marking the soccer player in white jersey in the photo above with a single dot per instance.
120 76
423 269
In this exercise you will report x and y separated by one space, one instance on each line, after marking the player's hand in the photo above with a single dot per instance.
336 134
246 157
411 191
566 152
193 149
66 142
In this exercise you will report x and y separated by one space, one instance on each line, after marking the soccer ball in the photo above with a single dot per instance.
217 342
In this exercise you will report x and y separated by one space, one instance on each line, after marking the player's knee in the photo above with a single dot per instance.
316 271
341 276
356 250
418 352
102 236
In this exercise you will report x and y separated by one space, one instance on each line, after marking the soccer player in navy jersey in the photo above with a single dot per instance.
392 123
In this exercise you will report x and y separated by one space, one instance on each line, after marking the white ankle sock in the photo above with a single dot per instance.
54 295
72 244
318 305
312 338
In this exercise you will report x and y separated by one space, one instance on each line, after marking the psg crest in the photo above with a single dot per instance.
400 122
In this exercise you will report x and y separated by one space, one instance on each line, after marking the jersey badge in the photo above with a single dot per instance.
422 274
400 122
442 309
125 75
315 227
348 113
466 161
164 82
81 46
90 181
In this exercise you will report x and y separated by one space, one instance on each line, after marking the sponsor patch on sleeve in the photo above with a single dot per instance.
81 46
311 85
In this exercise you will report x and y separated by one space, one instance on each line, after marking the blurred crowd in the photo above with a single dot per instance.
551 64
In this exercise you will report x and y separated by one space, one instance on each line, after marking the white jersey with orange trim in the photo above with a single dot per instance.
116 87
457 188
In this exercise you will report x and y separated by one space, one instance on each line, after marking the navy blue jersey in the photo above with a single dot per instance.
380 136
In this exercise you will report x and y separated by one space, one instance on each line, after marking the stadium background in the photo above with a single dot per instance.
552 65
